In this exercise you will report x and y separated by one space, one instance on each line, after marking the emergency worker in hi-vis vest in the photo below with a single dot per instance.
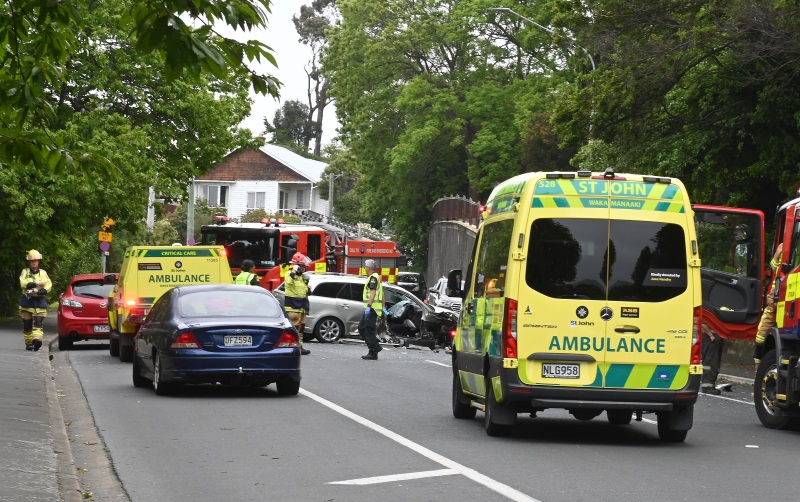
373 308
768 316
246 276
35 284
295 301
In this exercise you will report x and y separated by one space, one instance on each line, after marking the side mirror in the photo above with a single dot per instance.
454 282
110 279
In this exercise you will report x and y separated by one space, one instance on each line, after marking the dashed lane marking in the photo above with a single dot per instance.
437 362
472 474
396 477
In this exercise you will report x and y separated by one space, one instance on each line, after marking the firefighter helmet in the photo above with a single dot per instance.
33 255
301 259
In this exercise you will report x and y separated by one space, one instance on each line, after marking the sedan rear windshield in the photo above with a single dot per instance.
607 260
92 289
228 304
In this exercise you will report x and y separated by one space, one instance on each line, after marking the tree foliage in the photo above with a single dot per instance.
312 25
440 97
38 39
291 127
118 110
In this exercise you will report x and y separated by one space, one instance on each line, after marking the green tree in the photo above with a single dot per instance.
41 37
703 91
311 25
146 130
291 126
438 98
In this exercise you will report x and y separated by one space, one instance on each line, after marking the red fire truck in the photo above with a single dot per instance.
271 244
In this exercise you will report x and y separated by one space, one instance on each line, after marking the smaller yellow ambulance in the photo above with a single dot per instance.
583 293
147 273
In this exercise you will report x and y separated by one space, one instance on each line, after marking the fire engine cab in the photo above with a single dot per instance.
271 244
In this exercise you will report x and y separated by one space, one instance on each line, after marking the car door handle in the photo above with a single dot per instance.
626 329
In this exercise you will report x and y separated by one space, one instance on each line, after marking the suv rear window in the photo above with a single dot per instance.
598 260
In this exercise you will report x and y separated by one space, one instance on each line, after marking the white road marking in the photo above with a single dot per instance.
649 421
751 446
730 399
396 477
437 362
472 474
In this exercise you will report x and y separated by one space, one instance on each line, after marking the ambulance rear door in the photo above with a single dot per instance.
652 282
562 291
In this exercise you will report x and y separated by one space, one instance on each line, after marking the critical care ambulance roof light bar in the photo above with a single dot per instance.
560 175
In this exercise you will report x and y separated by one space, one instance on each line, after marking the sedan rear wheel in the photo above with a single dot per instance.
329 330
161 387
288 387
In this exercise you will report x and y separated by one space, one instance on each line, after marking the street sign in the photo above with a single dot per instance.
108 223
104 236
190 241
105 246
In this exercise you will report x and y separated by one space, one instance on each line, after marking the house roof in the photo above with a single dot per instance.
308 168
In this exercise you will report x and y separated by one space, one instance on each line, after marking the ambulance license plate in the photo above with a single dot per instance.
558 370
238 341
101 328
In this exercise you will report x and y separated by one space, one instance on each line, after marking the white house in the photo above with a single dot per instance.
272 178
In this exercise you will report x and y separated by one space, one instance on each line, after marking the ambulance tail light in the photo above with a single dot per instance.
696 338
510 329
185 340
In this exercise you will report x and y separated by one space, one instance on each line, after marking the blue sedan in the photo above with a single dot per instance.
226 333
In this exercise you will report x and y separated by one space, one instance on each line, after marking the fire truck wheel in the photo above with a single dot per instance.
329 330
765 395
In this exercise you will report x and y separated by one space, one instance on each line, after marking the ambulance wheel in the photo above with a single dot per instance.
764 395
497 419
126 353
113 346
667 434
619 417
329 330
585 415
461 407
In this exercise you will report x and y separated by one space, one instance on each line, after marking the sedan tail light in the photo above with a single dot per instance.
185 340
287 340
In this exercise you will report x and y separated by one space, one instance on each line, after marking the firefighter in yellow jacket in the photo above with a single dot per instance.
295 301
35 284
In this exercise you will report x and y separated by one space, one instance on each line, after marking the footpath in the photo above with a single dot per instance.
35 458
36 461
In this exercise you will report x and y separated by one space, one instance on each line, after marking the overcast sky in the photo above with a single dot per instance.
292 56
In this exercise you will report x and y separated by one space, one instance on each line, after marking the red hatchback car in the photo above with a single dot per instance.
83 309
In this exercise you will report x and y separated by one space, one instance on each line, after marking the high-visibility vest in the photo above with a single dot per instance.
244 278
295 297
377 302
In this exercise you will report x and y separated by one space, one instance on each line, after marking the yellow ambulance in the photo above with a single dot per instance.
582 293
147 273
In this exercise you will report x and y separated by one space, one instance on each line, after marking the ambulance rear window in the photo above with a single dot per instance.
620 260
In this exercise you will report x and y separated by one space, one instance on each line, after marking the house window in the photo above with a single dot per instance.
215 195
302 200
256 200
283 202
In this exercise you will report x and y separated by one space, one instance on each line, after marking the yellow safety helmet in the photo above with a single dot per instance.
33 255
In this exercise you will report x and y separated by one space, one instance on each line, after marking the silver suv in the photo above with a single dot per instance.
337 307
